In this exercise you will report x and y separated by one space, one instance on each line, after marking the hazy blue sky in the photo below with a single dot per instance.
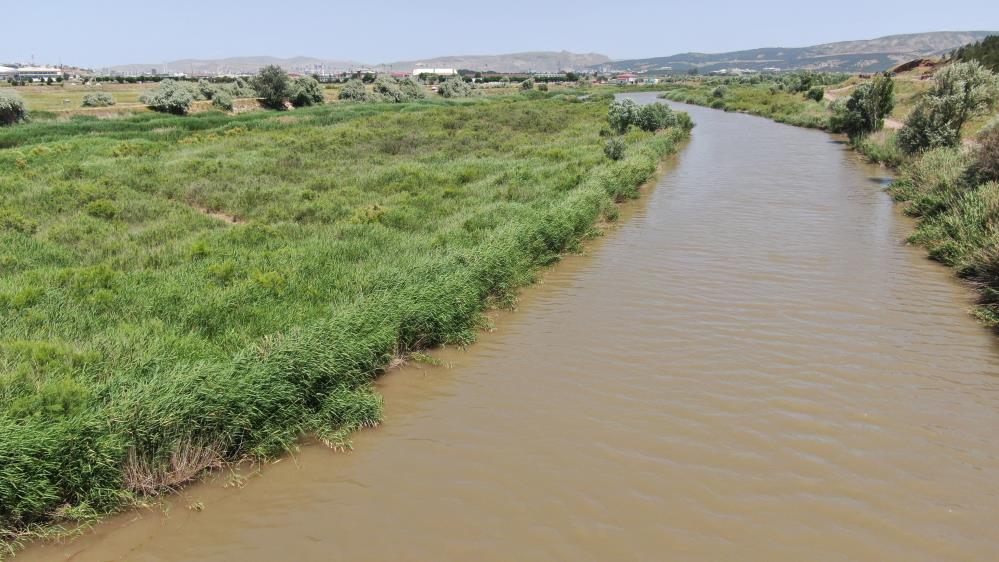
105 32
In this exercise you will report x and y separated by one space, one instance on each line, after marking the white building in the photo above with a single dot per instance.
31 72
437 71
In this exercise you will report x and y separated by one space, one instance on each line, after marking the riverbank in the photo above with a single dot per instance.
749 366
361 234
957 212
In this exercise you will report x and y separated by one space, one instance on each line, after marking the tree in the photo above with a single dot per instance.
621 115
387 88
454 87
98 99
960 92
866 108
412 90
170 96
306 90
223 100
273 85
354 90
614 148
12 109
654 116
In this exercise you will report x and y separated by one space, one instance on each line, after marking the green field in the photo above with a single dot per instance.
182 291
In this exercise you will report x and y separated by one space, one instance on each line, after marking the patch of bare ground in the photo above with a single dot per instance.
231 219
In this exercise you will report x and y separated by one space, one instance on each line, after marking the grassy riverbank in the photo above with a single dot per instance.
957 205
179 292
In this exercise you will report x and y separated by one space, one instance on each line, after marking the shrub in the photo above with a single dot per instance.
273 85
654 116
354 90
621 115
222 100
866 108
387 88
719 92
816 93
614 148
306 90
170 96
527 84
961 91
98 99
102 209
986 163
12 109
205 90
543 87
454 87
412 90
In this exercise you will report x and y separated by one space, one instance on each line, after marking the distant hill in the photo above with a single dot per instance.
543 61
238 65
868 55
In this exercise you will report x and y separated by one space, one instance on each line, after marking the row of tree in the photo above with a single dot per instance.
960 92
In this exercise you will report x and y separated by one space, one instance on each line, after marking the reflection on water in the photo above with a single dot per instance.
753 366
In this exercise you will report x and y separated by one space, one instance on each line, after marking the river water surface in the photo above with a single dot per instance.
752 366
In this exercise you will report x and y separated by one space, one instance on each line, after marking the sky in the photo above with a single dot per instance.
97 33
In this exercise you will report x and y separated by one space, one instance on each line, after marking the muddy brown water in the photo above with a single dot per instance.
752 366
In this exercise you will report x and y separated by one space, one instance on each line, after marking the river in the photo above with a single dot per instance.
752 366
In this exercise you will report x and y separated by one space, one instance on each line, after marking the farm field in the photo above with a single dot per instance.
182 291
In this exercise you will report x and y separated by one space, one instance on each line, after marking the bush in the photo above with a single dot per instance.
205 90
543 87
12 109
354 90
654 116
454 87
621 115
386 88
98 99
412 90
816 93
170 96
305 91
719 92
960 92
986 163
273 85
614 148
222 100
527 84
866 108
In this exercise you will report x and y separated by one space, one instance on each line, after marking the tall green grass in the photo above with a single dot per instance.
756 99
179 292
958 219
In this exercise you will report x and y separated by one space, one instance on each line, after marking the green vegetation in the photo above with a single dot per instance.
273 86
961 91
171 96
865 110
785 98
182 291
957 200
354 90
306 91
985 52
98 99
454 87
12 109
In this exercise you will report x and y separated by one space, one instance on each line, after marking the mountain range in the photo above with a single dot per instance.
540 61
869 55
